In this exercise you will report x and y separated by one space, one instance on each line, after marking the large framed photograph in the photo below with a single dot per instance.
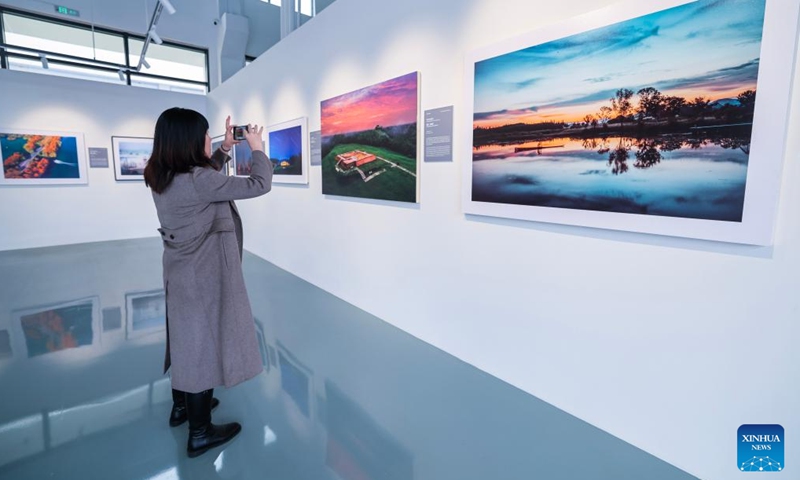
369 142
58 327
130 157
39 157
665 117
287 149
146 313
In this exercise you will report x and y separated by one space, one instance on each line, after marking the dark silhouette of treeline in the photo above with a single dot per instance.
648 152
400 139
654 114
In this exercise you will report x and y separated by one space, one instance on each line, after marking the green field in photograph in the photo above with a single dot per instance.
393 184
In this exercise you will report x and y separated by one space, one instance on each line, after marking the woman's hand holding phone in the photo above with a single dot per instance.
229 141
253 137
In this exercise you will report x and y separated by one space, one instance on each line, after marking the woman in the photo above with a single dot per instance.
211 338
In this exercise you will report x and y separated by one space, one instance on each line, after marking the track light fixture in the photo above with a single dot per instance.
146 65
43 59
168 6
121 75
154 37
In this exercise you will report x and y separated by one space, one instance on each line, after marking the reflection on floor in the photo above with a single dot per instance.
343 395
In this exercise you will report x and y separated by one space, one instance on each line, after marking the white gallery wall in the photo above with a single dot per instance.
669 344
104 209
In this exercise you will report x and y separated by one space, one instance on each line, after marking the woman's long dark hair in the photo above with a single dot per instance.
178 146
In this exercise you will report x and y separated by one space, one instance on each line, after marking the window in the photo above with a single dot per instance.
138 80
49 37
78 51
305 7
62 70
169 61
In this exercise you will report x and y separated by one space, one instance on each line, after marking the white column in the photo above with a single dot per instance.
232 43
288 18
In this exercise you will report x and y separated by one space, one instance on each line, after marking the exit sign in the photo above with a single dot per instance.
67 11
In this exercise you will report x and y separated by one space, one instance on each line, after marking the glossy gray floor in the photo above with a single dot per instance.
343 394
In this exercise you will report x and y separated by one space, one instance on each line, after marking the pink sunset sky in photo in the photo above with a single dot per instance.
390 103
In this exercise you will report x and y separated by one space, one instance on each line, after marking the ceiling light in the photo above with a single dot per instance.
43 58
154 37
168 6
146 65
121 74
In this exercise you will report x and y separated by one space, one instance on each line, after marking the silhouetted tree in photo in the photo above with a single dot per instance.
590 143
618 158
734 143
696 143
621 104
748 101
700 107
647 154
672 107
669 144
589 120
649 103
600 144
604 115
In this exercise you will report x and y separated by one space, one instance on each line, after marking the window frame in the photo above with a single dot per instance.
88 63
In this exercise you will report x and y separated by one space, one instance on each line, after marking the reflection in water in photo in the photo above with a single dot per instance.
685 176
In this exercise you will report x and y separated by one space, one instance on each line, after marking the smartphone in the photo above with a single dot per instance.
239 132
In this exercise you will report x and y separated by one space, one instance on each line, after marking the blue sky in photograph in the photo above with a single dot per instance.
285 143
706 48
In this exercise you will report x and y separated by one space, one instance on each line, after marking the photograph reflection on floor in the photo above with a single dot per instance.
5 345
146 313
263 348
295 380
358 448
64 326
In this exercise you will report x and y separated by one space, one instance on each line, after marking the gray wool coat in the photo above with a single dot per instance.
211 337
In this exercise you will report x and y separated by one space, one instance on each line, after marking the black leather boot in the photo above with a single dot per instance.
178 415
204 435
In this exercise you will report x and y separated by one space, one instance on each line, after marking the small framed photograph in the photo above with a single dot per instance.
38 157
287 149
130 157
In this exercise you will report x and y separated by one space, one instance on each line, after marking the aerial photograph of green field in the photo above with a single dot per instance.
369 142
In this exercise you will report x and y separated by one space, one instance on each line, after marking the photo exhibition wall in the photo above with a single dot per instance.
622 201
68 162
620 177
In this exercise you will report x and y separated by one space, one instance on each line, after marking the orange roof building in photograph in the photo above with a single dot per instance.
354 159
